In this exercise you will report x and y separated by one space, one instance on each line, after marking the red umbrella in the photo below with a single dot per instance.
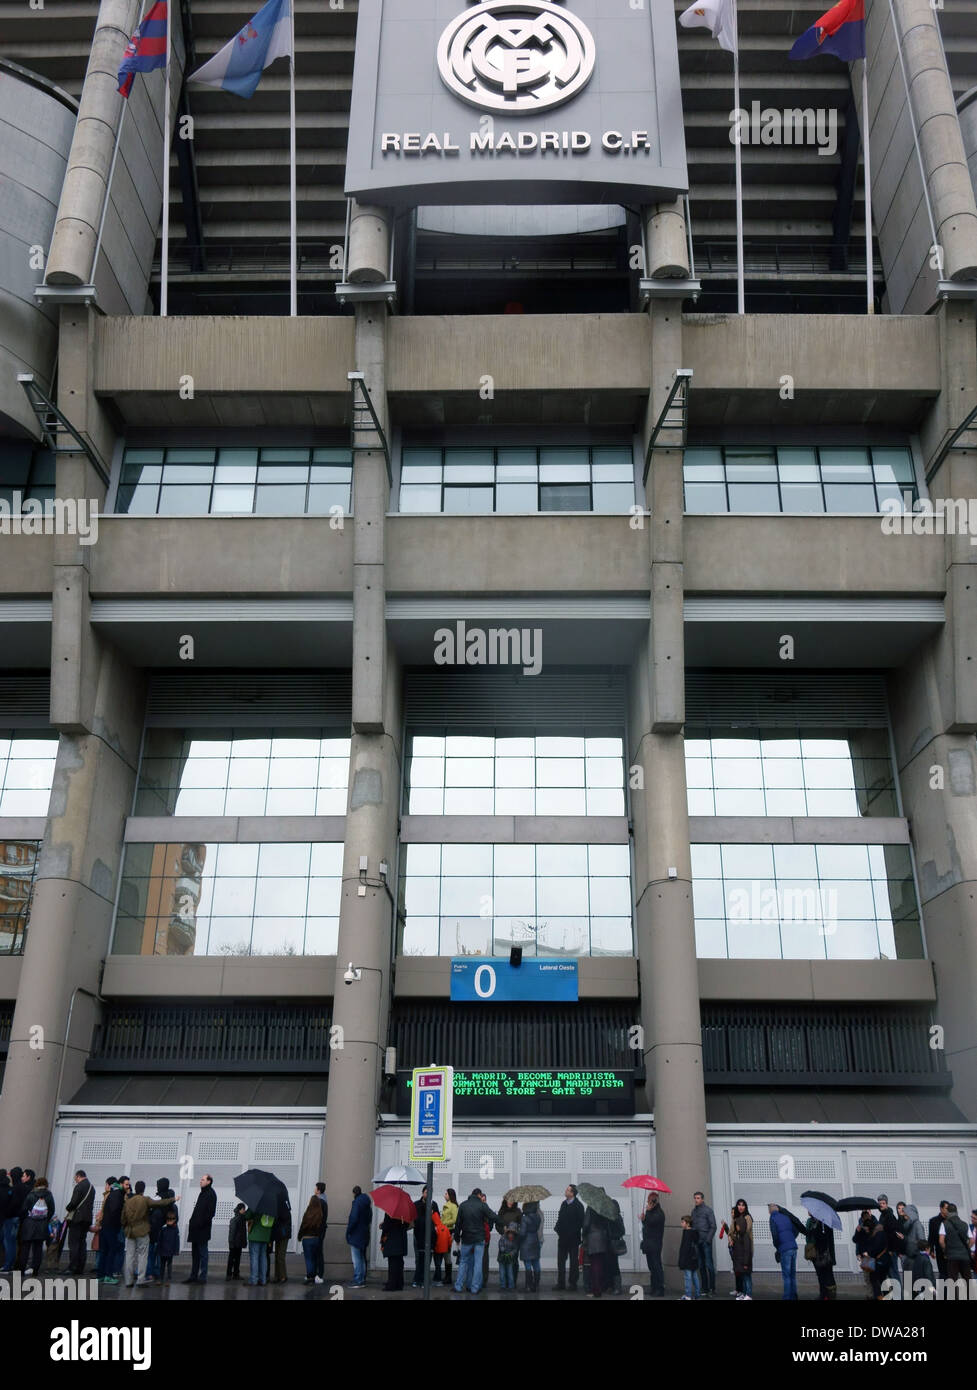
646 1181
395 1202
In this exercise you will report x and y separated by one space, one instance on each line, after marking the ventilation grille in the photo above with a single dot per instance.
756 699
602 1161
218 1151
102 1150
25 701
820 1169
163 1150
552 700
545 1161
179 699
933 1169
265 1151
876 1170
755 1169
474 1158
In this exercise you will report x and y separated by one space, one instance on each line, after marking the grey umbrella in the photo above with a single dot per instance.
597 1199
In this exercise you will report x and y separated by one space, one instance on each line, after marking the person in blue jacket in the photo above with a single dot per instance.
783 1233
358 1235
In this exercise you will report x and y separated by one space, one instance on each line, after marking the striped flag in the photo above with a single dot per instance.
238 66
146 49
841 31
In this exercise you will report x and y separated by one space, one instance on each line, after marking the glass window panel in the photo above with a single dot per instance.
516 497
232 499
849 898
736 748
420 498
564 497
424 801
782 772
331 474
469 746
427 772
706 499
893 492
550 746
469 801
566 801
754 470
514 897
236 466
844 498
708 899
465 896
515 772
330 801
323 496
605 772
798 465
710 940
706 861
184 500
559 772
244 802
613 498
144 455
283 859
25 803
285 896
516 465
553 860
786 803
231 896
133 472
421 473
276 473
825 747
754 861
469 772
137 501
424 457
515 801
740 801
611 936
273 501
227 936
609 861
804 498
699 457
291 801
292 455
750 899
702 472
604 748
204 772
340 454
187 473
565 896
321 936
829 772
466 936
849 465
753 497
613 472
248 772
468 473
853 941
565 464
610 896
420 936
466 859
838 802
326 858
464 457
427 745
199 803
893 465
423 859
842 861
697 747
802 940
475 501
190 455
738 772
753 940
515 860
701 802
232 859
618 456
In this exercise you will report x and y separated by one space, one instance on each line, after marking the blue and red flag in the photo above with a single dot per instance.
840 31
146 49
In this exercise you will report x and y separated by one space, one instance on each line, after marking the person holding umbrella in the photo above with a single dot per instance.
400 1214
819 1247
596 1234
569 1224
262 1194
652 1236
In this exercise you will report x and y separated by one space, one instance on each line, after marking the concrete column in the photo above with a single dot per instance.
367 911
665 927
86 180
666 240
368 252
940 139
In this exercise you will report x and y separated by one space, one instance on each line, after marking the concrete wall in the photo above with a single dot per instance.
35 134
216 977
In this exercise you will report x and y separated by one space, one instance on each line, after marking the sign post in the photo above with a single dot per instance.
430 1137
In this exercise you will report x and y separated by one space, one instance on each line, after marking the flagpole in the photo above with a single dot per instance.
165 265
869 266
740 271
293 195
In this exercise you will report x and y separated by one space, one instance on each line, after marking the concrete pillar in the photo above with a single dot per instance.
83 195
368 252
940 139
665 926
367 915
666 241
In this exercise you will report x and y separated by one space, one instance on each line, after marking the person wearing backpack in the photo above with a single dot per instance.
260 1227
80 1210
38 1214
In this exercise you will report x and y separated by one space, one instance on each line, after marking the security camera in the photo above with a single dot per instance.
351 973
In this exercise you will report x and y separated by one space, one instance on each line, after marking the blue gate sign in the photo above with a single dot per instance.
494 980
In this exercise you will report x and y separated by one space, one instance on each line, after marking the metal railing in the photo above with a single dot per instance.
213 1037
474 1036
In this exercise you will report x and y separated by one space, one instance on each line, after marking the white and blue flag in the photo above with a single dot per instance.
238 66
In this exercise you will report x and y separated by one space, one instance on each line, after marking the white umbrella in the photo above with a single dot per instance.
401 1174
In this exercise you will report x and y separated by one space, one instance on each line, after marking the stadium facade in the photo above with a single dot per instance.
517 592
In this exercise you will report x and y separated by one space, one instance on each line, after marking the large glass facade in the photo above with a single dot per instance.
243 772
545 775
26 473
26 771
18 870
480 900
192 899
805 902
799 480
517 480
785 772
253 481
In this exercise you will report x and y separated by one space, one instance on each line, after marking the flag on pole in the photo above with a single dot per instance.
238 66
146 49
841 31
718 16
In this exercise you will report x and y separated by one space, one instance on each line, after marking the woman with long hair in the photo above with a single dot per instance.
310 1234
741 1249
449 1215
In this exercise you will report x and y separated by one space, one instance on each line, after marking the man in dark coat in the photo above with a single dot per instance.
280 1236
653 1229
469 1233
110 1247
358 1235
81 1214
569 1224
420 1224
157 1220
320 1259
894 1240
935 1246
199 1230
9 1216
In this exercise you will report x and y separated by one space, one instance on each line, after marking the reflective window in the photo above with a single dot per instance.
515 480
26 771
552 900
18 870
784 772
229 900
243 772
502 775
260 482
805 902
798 480
26 474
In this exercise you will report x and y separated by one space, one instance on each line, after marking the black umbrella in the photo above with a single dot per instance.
261 1192
855 1203
795 1221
